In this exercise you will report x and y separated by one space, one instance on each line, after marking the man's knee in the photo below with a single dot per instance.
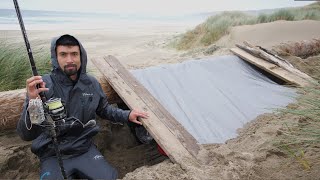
92 165
50 175
50 169
108 173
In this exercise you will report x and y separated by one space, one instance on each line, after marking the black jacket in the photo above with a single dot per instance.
83 100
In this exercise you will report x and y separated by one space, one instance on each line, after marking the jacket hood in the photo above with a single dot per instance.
54 60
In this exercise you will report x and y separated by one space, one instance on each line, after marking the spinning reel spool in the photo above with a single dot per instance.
55 109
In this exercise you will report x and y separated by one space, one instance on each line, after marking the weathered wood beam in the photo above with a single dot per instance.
275 66
135 97
272 59
172 124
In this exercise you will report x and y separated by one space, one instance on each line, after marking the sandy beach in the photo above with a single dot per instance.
249 156
143 46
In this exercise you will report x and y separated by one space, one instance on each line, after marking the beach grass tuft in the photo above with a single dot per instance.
295 137
15 67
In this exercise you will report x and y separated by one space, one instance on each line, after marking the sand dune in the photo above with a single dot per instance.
270 34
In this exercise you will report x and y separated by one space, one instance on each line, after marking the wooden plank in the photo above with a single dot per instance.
189 142
266 55
163 136
271 68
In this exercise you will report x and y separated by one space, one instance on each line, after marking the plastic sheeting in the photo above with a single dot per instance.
214 97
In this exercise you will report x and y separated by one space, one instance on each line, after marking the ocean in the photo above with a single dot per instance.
40 20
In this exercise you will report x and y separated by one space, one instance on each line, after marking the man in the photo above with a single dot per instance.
83 98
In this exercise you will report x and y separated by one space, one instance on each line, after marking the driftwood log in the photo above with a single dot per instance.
10 108
274 59
11 103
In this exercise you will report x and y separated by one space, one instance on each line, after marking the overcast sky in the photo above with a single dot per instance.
151 6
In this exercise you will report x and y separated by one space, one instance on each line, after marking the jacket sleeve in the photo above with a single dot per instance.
109 112
24 122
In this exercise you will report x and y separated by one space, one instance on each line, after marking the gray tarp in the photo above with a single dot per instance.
214 97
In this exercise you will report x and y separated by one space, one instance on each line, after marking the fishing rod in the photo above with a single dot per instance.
25 37
51 104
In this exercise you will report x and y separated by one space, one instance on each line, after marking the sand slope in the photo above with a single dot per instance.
269 34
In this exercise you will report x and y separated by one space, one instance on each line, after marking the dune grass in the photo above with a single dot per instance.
15 67
305 133
219 25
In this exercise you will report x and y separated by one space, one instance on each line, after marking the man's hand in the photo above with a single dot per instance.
135 114
32 90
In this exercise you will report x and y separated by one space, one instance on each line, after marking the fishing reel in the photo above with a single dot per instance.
55 109
38 111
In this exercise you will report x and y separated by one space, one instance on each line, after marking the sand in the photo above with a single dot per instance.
252 155
142 47
270 34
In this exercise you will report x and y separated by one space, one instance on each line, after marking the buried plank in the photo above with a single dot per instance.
173 141
271 68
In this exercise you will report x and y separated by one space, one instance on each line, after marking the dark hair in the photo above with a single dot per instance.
67 40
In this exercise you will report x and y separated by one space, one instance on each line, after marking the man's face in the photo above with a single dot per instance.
69 59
